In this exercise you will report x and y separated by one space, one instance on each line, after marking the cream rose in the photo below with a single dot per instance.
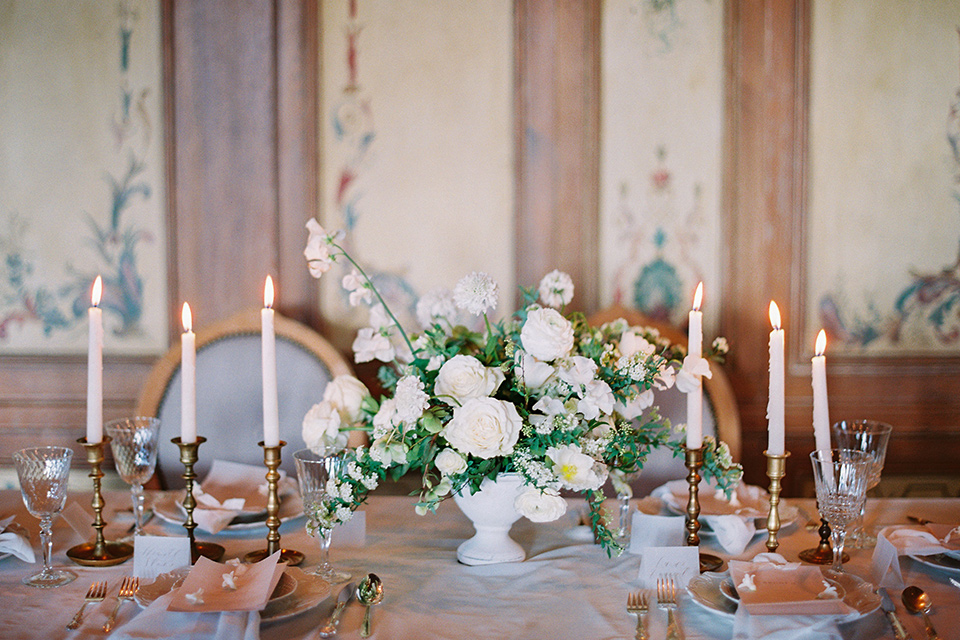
540 506
347 394
450 462
484 427
546 335
462 377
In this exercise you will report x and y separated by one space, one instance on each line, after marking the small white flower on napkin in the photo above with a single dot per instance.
230 581
954 533
829 591
748 583
207 500
239 568
196 597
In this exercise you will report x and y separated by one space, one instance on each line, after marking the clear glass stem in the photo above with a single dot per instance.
624 530
46 543
838 537
326 536
136 493
857 535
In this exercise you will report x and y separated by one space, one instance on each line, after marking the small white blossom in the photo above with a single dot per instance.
693 369
317 251
598 399
556 289
358 287
476 293
720 345
577 371
229 581
411 399
196 597
371 344
436 304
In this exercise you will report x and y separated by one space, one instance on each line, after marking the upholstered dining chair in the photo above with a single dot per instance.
230 396
721 418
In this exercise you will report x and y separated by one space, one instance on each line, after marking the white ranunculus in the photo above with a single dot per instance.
450 462
634 408
632 342
347 394
598 399
556 289
540 506
577 371
546 335
574 469
321 428
533 373
484 427
690 373
462 377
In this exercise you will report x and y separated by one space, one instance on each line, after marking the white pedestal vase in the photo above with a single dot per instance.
492 513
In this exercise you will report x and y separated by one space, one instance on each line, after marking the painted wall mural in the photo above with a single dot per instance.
884 268
417 147
660 157
81 175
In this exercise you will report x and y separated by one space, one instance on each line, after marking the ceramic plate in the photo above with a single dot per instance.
310 591
940 561
707 590
168 508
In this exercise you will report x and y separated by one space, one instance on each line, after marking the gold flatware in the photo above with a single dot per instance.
96 593
369 593
916 520
667 600
917 601
128 588
637 605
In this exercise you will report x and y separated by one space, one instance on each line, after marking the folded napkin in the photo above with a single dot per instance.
211 586
156 621
772 586
925 540
14 539
232 489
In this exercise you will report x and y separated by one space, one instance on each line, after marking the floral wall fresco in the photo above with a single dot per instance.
883 269
81 175
417 147
660 176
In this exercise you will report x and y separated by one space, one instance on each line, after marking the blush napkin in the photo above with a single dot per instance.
231 489
14 540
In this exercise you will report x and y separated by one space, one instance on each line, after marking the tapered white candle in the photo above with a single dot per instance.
188 378
95 366
695 397
271 410
775 411
821 407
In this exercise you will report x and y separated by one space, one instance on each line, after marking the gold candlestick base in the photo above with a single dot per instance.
189 454
776 468
823 552
271 458
99 553
694 461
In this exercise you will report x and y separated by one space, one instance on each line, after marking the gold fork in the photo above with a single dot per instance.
637 604
128 588
667 599
96 593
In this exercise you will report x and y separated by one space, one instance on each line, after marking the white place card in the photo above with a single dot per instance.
655 531
886 564
682 564
153 555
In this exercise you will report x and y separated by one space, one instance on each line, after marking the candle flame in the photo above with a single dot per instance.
268 293
821 342
187 318
97 291
698 297
774 315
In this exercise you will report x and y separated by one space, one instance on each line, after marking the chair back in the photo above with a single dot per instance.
230 392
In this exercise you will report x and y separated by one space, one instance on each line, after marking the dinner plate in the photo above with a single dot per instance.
167 507
754 502
311 590
707 591
286 588
940 561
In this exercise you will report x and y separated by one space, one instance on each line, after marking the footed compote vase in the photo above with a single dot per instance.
492 512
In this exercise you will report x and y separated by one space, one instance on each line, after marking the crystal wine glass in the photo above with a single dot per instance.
134 444
841 478
871 437
43 474
313 471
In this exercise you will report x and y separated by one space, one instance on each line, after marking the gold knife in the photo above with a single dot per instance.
887 605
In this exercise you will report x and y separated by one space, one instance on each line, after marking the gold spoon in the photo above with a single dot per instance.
369 593
917 601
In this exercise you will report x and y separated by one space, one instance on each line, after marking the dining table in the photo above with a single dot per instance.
567 587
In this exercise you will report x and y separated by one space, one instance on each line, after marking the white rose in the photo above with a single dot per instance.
463 377
321 428
449 462
546 335
347 394
540 506
484 427
534 373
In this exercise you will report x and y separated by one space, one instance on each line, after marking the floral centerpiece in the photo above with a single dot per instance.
540 393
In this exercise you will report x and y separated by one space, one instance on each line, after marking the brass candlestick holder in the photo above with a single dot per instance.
98 553
694 461
271 458
776 468
823 552
189 454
